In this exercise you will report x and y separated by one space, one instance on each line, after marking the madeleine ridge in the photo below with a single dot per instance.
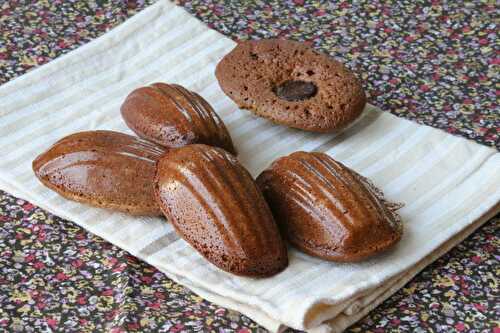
327 210
215 205
102 168
173 116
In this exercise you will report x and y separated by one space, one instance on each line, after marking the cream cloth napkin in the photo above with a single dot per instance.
449 185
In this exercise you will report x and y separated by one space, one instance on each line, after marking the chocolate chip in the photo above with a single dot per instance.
293 91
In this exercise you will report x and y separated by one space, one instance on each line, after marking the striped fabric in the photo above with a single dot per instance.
450 185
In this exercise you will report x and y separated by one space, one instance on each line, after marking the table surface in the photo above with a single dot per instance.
430 62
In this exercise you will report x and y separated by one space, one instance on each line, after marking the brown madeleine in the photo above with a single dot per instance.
292 84
173 116
104 169
215 205
327 210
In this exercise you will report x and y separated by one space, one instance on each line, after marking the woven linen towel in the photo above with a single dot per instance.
450 185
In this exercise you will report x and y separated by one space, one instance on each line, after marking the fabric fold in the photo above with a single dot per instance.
449 185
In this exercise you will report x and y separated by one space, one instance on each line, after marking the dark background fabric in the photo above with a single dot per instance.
431 62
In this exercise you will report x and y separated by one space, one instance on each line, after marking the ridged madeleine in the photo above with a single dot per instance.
215 205
173 116
327 210
102 168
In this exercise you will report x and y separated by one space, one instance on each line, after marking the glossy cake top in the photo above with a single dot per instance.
103 168
174 116
215 205
327 209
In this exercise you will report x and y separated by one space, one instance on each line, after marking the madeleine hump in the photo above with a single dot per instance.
173 116
327 210
102 168
215 205
291 84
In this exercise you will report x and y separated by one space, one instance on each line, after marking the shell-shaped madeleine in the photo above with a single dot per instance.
102 168
215 205
327 210
173 116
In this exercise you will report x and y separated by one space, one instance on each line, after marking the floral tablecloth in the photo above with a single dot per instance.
432 62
